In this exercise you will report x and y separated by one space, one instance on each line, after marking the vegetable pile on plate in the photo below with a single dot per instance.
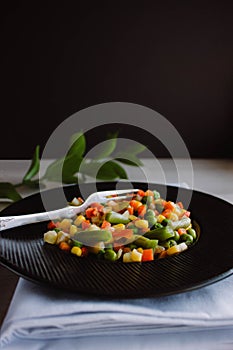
142 227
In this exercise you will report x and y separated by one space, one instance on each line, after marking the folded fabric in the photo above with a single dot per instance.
39 314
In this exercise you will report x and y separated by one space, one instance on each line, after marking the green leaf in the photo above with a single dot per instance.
34 166
111 170
7 190
68 166
129 159
135 148
107 147
107 170
78 145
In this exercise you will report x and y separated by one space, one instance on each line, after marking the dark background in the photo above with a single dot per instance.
174 57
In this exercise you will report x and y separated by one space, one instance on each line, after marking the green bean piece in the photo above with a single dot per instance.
146 243
116 218
162 234
176 236
91 237
76 243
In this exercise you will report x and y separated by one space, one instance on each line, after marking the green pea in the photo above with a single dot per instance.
165 222
110 255
151 221
150 212
159 207
133 246
172 242
147 200
156 194
158 225
192 232
100 254
188 239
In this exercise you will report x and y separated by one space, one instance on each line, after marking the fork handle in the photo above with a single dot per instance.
7 222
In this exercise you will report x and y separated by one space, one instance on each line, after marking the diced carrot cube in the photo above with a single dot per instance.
169 205
135 204
141 193
181 231
105 224
141 210
166 213
85 224
130 210
148 254
149 193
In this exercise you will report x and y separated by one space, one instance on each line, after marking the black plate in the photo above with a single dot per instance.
23 251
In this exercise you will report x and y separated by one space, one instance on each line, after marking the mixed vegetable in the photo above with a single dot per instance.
142 227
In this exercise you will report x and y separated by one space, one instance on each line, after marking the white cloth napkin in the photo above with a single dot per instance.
45 318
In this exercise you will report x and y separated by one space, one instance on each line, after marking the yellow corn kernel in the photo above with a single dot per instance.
96 248
173 216
136 256
159 249
65 224
119 226
50 237
140 250
177 248
141 224
160 218
173 250
77 251
73 229
127 257
79 220
132 217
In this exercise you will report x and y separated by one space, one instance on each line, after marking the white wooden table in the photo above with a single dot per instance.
209 176
214 176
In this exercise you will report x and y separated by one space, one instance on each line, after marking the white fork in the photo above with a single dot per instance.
7 222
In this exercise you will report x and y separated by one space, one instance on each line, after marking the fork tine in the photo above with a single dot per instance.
117 192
